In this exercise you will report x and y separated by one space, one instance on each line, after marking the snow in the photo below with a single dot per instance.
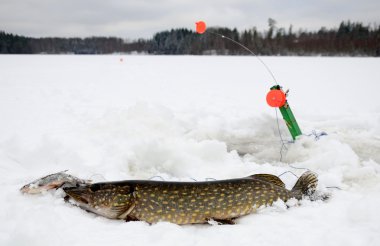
186 118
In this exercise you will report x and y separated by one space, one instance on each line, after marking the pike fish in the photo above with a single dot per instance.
187 202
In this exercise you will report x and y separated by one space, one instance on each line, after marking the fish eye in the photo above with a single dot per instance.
95 187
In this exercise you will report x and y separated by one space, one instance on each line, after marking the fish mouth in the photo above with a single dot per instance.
28 189
79 194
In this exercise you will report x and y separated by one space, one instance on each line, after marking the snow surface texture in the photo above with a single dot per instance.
186 118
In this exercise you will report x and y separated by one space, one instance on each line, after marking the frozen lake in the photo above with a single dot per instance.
183 118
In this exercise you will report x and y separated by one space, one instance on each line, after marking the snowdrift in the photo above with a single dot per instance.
189 118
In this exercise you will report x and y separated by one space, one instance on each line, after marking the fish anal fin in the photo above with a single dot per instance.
268 178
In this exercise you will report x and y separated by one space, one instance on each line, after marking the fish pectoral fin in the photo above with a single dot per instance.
122 211
268 178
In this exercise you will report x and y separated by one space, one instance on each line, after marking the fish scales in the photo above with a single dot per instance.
183 202
190 202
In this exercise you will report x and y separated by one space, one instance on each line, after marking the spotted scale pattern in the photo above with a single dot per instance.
197 202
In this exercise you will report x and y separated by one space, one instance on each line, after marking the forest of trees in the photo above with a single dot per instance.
349 39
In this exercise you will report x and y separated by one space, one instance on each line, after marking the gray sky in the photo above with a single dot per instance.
142 18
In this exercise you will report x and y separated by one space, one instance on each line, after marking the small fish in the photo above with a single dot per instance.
53 181
187 202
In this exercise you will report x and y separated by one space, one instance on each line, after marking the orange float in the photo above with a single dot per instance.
276 98
200 27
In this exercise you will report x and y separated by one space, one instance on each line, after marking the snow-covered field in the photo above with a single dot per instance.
186 118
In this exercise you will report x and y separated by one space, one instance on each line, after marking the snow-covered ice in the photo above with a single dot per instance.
186 118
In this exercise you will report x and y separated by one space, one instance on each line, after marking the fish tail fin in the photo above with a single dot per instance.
305 185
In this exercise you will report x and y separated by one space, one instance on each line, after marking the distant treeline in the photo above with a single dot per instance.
349 39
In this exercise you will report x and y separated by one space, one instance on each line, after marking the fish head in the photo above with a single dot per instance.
104 199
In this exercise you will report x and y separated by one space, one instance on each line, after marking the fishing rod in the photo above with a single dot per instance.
275 98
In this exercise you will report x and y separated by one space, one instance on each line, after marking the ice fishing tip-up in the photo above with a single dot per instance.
276 98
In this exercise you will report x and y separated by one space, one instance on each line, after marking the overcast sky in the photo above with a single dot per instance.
142 18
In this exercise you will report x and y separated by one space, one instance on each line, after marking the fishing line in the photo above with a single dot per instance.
247 49
151 178
316 135
301 168
288 172
97 175
283 142
333 187
283 146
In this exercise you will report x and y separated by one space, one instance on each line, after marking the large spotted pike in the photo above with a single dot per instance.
187 202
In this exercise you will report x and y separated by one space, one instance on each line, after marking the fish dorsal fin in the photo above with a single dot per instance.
268 178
